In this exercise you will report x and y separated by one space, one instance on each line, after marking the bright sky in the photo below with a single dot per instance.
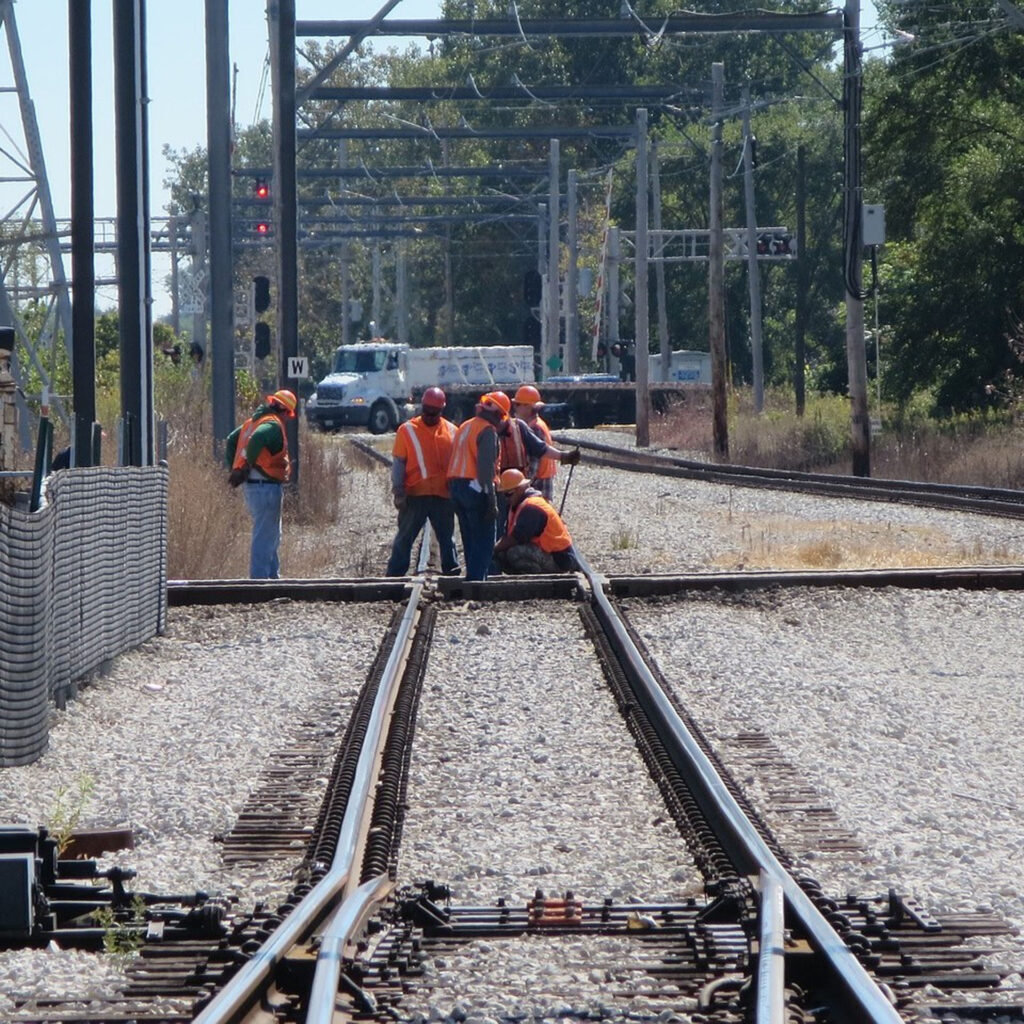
177 84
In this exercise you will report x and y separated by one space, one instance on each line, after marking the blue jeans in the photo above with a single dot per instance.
476 526
263 501
414 513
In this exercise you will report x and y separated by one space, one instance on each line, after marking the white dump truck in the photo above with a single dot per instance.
378 384
374 384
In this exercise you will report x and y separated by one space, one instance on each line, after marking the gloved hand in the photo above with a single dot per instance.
399 501
571 458
238 476
491 511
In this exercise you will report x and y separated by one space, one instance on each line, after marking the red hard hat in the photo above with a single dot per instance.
527 395
434 398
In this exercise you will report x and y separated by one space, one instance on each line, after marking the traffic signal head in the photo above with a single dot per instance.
533 287
261 340
261 293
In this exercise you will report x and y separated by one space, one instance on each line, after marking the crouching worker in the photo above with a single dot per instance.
537 540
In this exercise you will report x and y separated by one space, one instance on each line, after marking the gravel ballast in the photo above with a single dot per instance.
902 706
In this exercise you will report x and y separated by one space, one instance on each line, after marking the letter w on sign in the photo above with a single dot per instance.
298 367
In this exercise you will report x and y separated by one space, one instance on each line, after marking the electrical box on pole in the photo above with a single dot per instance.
873 225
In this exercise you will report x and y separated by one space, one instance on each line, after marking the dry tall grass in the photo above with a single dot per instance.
209 526
976 451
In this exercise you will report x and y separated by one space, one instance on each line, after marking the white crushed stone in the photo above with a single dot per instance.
169 741
903 707
532 784
900 700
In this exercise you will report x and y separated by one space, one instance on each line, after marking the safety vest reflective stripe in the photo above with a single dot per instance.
273 467
421 463
547 466
430 448
463 461
555 536
512 453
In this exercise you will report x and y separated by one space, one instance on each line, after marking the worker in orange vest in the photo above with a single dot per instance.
419 484
472 474
527 405
257 453
537 540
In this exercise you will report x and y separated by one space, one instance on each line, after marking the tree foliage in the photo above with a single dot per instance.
942 151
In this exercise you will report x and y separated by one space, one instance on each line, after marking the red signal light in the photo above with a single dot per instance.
262 190
262 228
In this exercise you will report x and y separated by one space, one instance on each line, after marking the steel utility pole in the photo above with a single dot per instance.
753 272
83 267
664 344
134 299
640 305
281 18
716 272
856 356
802 281
344 257
572 333
551 339
220 294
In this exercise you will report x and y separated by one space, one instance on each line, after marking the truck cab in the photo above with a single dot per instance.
367 387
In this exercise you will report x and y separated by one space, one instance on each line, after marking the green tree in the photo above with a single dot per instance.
944 147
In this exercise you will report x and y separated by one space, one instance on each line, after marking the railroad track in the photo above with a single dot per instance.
355 941
984 500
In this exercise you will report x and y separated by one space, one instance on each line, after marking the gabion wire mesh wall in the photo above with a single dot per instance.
81 581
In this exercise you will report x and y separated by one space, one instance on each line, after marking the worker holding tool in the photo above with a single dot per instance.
472 472
419 484
537 541
527 406
257 453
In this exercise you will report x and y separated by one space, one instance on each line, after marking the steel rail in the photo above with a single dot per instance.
232 1001
770 996
731 825
958 497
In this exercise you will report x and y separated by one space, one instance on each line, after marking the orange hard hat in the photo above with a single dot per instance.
285 399
434 398
497 400
511 480
527 395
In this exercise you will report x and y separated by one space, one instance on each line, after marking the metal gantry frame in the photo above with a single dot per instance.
21 232
285 28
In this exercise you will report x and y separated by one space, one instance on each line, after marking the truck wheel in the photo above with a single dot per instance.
381 418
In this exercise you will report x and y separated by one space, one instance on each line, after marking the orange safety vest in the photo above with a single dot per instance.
463 461
427 451
547 466
555 536
273 467
512 450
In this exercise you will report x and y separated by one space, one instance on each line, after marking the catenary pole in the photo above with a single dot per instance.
83 268
753 272
856 355
554 215
664 344
220 294
133 307
572 333
716 272
281 18
640 304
